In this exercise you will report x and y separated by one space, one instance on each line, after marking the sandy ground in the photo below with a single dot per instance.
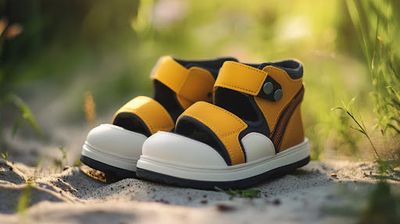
321 192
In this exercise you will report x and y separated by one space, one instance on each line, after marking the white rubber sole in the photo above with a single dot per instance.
109 159
244 171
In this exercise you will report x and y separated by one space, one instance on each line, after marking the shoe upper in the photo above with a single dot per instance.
256 114
177 85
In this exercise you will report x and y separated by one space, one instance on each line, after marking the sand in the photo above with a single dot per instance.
321 192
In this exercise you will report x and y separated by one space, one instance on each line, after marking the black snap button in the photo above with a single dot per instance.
268 88
278 94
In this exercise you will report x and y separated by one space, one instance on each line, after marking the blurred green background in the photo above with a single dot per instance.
56 54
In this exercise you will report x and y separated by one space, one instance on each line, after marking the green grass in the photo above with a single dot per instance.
378 26
4 155
25 115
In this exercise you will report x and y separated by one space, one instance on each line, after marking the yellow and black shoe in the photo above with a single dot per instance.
115 148
252 131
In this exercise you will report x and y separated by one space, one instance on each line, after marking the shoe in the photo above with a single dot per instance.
252 132
115 148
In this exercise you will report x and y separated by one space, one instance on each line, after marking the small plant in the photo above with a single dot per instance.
26 114
24 200
63 161
384 166
63 153
4 155
247 193
77 162
344 135
360 126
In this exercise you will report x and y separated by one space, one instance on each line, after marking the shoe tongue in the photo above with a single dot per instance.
211 65
190 65
187 64
262 66
213 71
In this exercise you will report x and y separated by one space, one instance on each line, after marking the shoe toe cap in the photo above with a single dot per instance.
114 140
180 150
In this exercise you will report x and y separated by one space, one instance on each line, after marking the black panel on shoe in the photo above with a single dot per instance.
192 128
259 125
167 98
245 108
131 122
236 103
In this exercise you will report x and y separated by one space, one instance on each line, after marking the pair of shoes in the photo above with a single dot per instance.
217 123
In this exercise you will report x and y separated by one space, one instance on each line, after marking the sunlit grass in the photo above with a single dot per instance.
378 27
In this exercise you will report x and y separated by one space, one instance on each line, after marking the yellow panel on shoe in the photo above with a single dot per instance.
184 102
273 109
151 112
294 132
240 77
198 85
225 125
170 73
194 84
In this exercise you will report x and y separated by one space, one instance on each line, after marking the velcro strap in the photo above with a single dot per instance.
241 78
194 84
225 125
152 113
